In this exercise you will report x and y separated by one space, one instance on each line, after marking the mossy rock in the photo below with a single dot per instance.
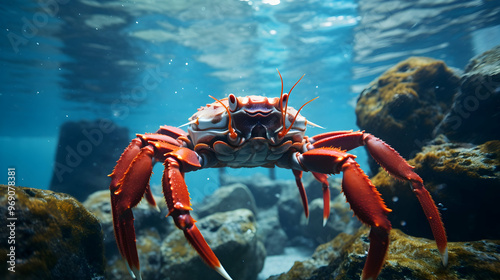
408 258
55 237
404 104
463 179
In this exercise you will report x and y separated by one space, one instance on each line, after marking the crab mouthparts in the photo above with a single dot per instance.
259 131
258 113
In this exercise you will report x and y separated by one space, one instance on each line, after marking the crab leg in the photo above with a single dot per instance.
178 202
302 191
395 165
363 197
323 179
127 189
391 161
129 183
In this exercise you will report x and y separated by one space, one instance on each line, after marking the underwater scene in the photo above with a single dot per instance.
253 140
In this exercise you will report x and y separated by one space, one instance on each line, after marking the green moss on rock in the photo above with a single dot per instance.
408 258
406 102
56 237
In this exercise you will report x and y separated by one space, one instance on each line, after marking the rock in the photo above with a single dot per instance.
226 198
474 115
463 178
408 258
55 236
341 219
270 231
403 106
290 211
458 157
312 232
233 238
265 190
86 153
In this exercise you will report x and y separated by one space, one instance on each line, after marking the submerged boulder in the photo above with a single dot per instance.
474 116
407 258
404 105
227 198
55 237
463 179
265 190
456 147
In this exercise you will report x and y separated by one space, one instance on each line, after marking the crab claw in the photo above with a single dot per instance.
127 189
186 223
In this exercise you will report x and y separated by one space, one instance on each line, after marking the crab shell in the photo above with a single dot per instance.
257 122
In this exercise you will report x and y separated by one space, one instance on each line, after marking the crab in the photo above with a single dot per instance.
257 131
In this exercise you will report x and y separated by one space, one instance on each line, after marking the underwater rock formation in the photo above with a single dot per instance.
55 237
232 236
404 105
86 153
265 191
294 223
475 114
464 178
408 258
458 157
227 198
163 251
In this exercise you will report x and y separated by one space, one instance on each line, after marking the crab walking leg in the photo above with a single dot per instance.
363 197
369 207
302 191
178 202
323 179
393 163
126 194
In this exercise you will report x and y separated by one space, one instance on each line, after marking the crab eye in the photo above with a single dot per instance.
283 101
233 102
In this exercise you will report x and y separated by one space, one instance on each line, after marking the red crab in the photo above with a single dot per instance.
256 131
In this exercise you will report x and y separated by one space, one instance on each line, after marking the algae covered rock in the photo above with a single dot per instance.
408 258
474 116
233 238
55 236
463 179
406 102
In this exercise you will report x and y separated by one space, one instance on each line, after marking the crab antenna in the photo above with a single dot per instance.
285 131
286 107
283 112
232 133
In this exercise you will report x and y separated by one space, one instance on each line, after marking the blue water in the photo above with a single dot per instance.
146 64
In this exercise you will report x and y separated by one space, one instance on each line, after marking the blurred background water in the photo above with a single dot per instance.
148 63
